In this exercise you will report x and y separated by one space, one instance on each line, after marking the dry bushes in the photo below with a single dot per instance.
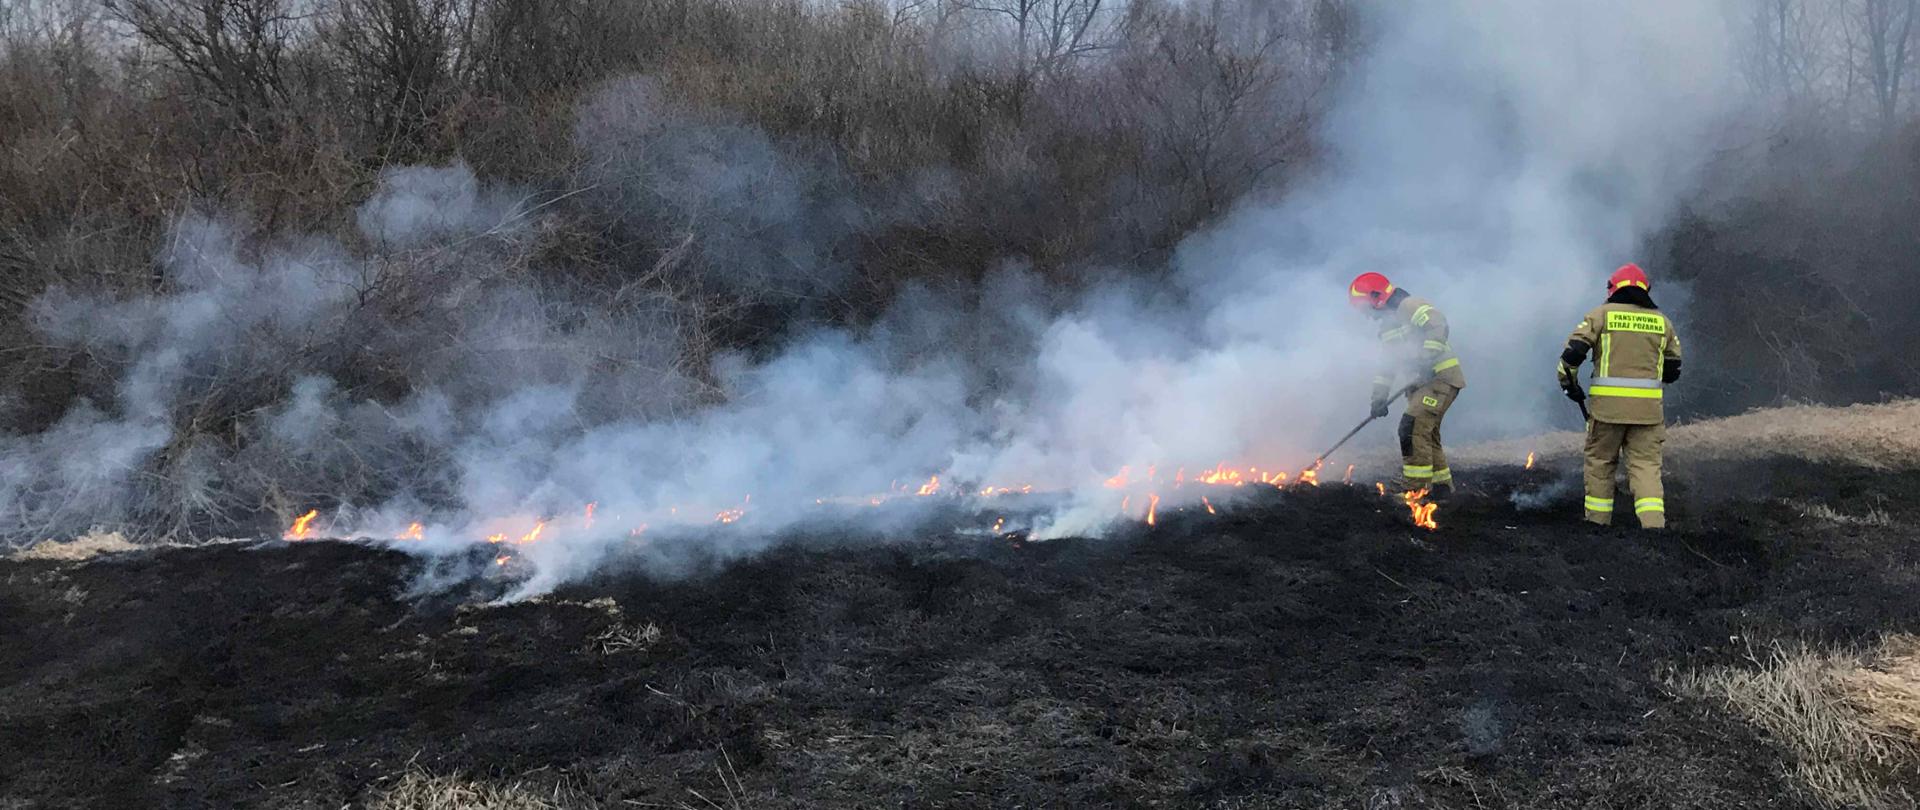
802 163
1851 721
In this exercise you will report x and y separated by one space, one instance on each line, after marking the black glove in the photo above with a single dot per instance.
1574 392
1379 408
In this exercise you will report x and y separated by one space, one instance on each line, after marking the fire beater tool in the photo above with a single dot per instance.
1356 428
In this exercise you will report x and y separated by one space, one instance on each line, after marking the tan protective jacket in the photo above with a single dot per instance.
1632 346
1414 335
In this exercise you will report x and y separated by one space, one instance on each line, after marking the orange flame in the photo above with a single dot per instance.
1153 506
496 538
414 531
734 514
1221 474
931 486
1379 486
1422 511
535 534
1529 460
502 559
997 523
1203 499
302 526
1310 477
590 514
1348 478
1118 481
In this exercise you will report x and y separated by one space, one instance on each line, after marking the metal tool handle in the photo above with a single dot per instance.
1357 428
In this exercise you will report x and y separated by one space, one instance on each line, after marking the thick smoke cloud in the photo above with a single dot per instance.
1499 157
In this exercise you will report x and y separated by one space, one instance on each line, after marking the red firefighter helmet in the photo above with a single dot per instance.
1629 275
1369 291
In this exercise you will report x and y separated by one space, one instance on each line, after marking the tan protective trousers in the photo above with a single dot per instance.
1641 444
1423 462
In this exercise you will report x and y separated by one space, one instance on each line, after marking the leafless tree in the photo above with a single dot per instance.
237 49
1048 34
1222 89
1783 57
1886 34
397 57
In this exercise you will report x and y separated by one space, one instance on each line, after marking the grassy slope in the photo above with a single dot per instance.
1879 437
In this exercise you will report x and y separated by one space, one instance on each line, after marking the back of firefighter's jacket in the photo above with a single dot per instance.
1632 346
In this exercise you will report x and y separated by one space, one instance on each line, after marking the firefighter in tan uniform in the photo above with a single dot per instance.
1636 354
1414 334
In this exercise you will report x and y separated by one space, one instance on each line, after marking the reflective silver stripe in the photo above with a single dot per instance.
1625 382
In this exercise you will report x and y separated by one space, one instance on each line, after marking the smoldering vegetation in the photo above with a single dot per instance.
398 259
260 260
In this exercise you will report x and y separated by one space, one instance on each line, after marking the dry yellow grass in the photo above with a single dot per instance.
1885 436
418 790
1850 720
85 547
1887 690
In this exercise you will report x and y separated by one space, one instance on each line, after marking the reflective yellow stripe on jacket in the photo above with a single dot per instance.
1629 387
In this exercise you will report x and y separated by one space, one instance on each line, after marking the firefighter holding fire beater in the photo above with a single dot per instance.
1637 354
1414 334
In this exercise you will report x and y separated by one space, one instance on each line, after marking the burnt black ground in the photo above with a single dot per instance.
1308 650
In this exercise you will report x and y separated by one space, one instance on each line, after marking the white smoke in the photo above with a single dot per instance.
1497 156
1500 158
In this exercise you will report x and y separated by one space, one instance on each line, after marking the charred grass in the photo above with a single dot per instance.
1304 650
